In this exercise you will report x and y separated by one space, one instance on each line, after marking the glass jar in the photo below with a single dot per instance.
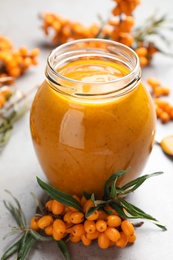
92 116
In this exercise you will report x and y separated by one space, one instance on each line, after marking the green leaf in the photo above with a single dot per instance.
62 246
86 195
135 212
39 237
112 178
14 211
60 196
113 192
11 250
24 252
91 210
134 184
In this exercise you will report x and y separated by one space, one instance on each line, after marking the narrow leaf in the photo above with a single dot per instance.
60 196
11 250
138 181
28 245
39 237
138 213
62 246
91 210
112 178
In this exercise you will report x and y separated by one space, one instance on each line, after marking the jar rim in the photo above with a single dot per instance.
119 51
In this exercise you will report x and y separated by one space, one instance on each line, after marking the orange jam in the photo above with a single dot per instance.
81 139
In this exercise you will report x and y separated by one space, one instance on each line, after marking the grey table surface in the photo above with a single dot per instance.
19 20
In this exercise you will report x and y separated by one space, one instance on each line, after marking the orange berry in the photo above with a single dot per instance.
103 241
34 223
45 221
74 239
101 225
127 227
59 226
49 230
93 216
164 117
85 240
153 82
165 91
113 221
89 204
56 236
78 230
112 233
67 218
93 235
143 61
89 226
83 201
141 51
57 207
102 214
132 238
48 205
77 217
110 210
122 241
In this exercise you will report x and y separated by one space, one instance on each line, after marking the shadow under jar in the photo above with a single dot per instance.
92 116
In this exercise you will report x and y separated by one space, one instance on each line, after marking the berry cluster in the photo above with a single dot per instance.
119 27
164 110
105 225
13 63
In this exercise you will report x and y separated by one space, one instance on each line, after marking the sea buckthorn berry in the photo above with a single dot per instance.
83 201
89 204
89 226
45 221
164 117
103 241
48 205
56 236
112 233
93 235
127 227
48 230
57 207
101 225
132 238
153 82
77 217
66 217
85 240
122 241
141 51
78 230
74 238
59 226
102 214
110 210
34 223
113 221
93 216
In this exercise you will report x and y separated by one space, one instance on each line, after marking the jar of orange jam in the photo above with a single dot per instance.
92 116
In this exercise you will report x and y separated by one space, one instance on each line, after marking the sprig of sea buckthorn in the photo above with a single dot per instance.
13 63
70 218
164 110
119 27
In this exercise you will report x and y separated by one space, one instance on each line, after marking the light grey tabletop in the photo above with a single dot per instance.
19 20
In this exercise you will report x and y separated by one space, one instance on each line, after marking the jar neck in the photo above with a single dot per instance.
94 53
